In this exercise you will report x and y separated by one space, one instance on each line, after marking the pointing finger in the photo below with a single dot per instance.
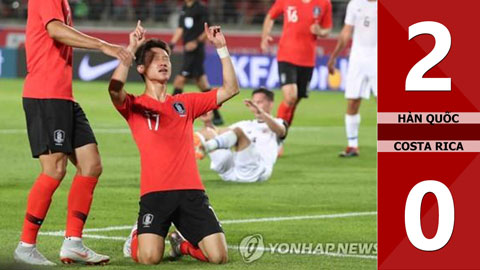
207 29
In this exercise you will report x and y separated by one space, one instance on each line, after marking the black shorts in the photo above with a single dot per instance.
188 210
56 125
193 63
290 73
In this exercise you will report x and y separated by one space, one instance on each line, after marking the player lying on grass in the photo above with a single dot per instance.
255 142
162 126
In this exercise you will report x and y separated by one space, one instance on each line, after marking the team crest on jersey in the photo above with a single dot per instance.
147 220
59 137
316 12
188 21
179 108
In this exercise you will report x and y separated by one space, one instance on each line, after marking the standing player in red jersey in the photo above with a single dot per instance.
162 127
303 22
58 129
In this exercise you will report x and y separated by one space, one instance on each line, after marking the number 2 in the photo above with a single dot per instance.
443 42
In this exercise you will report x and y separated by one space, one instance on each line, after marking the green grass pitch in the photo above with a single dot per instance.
308 180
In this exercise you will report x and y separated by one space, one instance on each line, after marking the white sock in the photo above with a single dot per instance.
222 141
23 244
352 123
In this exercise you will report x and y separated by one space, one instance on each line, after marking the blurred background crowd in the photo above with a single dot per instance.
241 14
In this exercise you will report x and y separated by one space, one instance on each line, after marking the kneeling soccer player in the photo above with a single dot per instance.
162 127
256 142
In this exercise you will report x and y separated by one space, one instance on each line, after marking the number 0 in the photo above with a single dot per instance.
443 42
446 215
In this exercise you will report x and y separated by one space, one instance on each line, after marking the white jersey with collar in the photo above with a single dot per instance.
265 140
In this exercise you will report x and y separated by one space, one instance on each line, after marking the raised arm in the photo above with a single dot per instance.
74 38
343 39
260 114
119 77
230 86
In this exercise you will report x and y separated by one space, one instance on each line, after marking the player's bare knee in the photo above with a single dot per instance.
242 140
54 165
291 100
57 172
149 257
220 257
353 106
239 133
96 169
91 169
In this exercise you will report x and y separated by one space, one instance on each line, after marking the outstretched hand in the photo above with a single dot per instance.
215 36
259 113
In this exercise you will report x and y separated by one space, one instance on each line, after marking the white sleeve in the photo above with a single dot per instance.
237 124
280 121
350 16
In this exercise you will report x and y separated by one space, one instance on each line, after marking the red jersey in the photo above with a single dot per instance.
163 132
49 63
297 43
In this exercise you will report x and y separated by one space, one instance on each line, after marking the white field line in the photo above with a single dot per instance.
274 219
234 221
237 221
127 131
234 247
93 236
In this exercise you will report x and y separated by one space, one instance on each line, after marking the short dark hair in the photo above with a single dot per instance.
269 94
141 53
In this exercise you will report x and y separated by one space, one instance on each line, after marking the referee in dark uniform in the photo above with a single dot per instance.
190 28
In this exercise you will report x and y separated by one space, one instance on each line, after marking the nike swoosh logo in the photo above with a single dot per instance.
83 255
89 73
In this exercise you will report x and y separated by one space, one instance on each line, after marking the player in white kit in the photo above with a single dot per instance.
254 142
361 22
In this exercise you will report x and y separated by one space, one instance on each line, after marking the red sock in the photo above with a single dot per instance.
134 247
294 108
286 112
188 249
79 202
38 203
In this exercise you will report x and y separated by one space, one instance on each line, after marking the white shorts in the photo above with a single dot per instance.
361 80
245 166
